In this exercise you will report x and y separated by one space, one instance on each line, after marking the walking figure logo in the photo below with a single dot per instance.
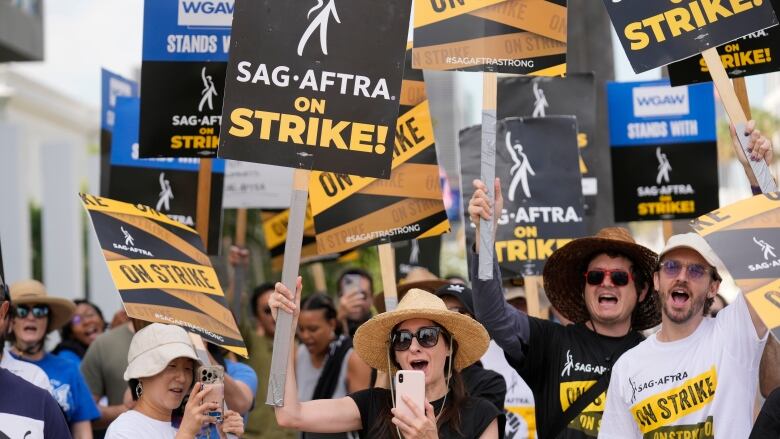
208 92
520 169
663 167
540 102
166 194
569 364
128 237
320 21
766 248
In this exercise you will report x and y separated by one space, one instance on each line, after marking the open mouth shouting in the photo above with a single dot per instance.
419 365
679 297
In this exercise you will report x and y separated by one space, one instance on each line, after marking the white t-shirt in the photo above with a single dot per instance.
30 372
519 401
134 425
702 386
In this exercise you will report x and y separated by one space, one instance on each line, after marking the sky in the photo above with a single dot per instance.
81 36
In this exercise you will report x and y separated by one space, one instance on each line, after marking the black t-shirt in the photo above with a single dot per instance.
561 362
767 425
486 384
476 414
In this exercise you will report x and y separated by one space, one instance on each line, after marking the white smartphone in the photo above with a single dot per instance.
412 384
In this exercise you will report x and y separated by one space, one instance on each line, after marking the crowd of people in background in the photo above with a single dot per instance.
636 341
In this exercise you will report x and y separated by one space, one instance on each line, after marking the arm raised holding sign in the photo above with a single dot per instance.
759 147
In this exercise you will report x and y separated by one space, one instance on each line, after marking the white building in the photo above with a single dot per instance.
48 154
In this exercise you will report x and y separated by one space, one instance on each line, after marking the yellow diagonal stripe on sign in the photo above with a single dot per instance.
766 302
442 228
664 408
139 274
327 189
558 70
432 11
728 216
537 16
275 228
570 391
100 204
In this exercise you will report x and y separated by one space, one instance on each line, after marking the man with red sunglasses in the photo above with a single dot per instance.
601 284
696 377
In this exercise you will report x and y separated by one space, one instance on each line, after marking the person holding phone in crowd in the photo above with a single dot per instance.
355 293
420 334
161 371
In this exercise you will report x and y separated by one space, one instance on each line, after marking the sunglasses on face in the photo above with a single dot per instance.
673 268
619 278
38 311
427 337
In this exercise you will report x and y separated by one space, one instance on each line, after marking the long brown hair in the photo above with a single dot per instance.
450 414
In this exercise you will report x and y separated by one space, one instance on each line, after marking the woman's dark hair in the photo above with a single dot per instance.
67 331
257 293
321 301
451 412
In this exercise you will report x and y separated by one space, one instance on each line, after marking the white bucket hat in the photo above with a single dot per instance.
153 347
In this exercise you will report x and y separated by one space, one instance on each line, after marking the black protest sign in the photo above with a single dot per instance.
425 253
161 271
169 185
177 120
351 211
656 33
537 161
664 150
573 95
746 237
505 36
315 87
749 55
185 51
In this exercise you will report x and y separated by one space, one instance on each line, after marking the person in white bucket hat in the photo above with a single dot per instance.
420 334
161 370
696 377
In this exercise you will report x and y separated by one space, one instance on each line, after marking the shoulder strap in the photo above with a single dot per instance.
590 395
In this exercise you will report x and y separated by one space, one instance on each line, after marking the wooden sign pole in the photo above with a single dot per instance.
204 200
387 267
737 116
292 258
317 271
488 171
532 295
741 89
239 274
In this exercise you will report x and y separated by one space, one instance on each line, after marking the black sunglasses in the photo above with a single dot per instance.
427 337
620 278
38 311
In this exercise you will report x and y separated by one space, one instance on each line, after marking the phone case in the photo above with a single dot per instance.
412 384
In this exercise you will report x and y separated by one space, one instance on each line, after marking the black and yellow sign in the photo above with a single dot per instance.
656 33
315 87
746 236
507 36
275 233
537 160
351 211
753 54
161 270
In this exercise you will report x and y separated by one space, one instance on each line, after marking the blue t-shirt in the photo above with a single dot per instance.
68 388
70 356
27 411
239 372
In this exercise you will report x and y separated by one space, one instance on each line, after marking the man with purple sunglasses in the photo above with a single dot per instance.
696 377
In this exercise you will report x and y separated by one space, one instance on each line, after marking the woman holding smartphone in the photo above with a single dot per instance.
161 369
420 335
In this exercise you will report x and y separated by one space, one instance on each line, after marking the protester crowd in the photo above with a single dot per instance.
641 345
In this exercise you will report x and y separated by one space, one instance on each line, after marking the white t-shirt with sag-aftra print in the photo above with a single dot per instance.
702 386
